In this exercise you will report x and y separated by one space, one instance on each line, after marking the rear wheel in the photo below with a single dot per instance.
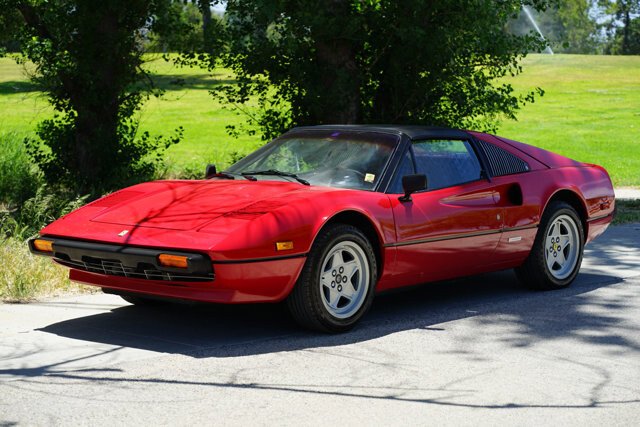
336 286
557 252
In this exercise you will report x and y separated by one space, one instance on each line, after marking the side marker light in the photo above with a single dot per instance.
284 246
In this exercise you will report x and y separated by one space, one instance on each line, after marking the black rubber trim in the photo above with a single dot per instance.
440 239
67 250
252 260
459 236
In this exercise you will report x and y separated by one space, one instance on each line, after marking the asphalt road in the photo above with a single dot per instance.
479 351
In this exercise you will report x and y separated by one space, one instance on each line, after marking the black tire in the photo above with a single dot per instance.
535 272
307 301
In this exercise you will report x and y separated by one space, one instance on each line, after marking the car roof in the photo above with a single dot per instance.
412 131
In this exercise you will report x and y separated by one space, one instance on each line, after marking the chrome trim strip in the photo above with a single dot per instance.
459 236
246 261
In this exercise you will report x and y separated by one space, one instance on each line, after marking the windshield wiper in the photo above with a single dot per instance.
227 175
276 173
222 175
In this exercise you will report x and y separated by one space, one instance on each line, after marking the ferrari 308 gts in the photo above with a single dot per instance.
325 217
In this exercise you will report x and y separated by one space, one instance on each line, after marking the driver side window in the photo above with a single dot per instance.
446 162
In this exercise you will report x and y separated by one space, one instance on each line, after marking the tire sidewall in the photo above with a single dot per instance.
556 210
317 257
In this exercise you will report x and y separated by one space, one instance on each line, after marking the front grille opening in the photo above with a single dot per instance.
114 267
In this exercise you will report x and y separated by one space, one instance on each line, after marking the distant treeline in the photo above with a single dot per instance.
586 26
569 26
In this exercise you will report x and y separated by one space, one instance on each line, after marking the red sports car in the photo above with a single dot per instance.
325 217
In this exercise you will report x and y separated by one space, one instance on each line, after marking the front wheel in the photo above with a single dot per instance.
336 286
556 255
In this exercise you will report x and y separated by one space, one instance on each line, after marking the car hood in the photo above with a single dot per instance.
189 205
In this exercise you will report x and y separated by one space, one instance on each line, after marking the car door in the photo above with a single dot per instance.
453 227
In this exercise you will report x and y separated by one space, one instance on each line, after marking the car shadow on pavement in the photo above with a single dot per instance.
229 331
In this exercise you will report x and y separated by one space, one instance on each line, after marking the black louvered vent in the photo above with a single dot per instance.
502 162
114 267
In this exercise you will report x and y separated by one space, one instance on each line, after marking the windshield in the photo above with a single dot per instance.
329 158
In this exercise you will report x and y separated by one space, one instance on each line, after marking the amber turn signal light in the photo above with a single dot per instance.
175 261
42 245
284 246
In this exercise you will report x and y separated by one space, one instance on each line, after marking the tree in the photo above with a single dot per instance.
177 29
624 11
566 25
375 61
621 23
88 60
210 26
10 24
188 27
633 41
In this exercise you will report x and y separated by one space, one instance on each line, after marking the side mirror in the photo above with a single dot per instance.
411 184
210 171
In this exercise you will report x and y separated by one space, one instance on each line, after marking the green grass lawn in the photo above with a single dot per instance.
186 103
591 111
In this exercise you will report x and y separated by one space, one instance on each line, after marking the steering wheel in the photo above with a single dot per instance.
345 175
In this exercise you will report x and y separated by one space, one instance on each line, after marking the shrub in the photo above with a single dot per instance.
19 178
42 208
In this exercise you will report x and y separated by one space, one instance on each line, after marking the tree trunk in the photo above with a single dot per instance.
205 9
340 83
338 93
626 33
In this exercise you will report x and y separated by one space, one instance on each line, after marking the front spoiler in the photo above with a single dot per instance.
266 281
263 280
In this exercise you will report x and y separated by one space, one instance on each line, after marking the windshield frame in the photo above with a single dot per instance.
395 142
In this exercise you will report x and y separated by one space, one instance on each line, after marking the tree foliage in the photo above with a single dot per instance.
10 26
88 60
375 61
190 28
178 29
566 25
621 21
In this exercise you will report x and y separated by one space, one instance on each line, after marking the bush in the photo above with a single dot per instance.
45 206
26 203
19 178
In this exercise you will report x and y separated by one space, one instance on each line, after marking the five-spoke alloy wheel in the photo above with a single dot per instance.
562 247
556 255
344 279
337 283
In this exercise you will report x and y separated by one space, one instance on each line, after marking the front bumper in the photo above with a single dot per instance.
126 261
121 268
